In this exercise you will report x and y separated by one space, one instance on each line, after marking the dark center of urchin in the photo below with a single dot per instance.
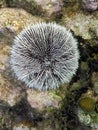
45 59
44 56
46 64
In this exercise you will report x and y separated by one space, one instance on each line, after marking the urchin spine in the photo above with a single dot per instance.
44 56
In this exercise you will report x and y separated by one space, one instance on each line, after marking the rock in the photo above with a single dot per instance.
21 127
29 5
84 118
96 108
90 5
87 104
3 56
83 25
94 77
50 6
16 19
76 86
2 3
43 104
53 109
5 120
94 80
25 125
11 22
70 1
96 87
37 7
90 120
7 35
94 126
8 93
42 101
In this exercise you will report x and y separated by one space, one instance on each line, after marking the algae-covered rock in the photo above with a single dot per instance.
8 93
70 1
96 106
96 87
83 25
11 22
87 101
29 5
2 3
16 19
94 126
51 110
94 80
90 5
87 104
90 120
84 118
36 7
47 103
94 77
44 101
22 126
43 104
50 6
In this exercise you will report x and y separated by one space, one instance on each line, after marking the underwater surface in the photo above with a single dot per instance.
71 106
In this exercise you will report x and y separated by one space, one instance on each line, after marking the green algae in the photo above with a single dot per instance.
87 104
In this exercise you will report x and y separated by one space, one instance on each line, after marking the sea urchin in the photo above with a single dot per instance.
44 56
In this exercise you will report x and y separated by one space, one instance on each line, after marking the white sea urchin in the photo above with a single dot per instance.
44 56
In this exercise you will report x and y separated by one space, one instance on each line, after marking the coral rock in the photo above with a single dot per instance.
90 5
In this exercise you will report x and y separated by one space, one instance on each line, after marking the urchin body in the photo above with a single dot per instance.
44 56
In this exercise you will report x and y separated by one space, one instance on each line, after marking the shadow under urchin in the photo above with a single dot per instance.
44 56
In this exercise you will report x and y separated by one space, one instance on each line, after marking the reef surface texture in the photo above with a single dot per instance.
72 106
